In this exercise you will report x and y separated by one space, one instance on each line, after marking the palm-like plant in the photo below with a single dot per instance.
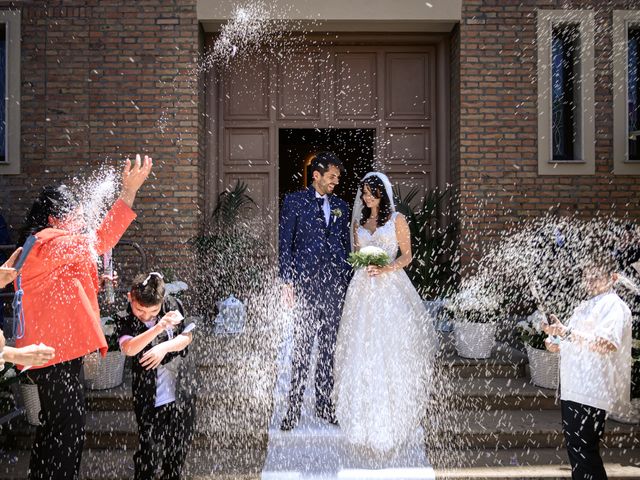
432 241
230 253
231 204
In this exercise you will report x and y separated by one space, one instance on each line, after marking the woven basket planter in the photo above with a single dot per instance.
31 402
101 373
544 367
474 340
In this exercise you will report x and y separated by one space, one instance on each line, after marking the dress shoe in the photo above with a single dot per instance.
328 415
290 420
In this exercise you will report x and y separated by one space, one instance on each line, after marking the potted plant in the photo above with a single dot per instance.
10 395
233 255
433 269
101 373
474 319
543 364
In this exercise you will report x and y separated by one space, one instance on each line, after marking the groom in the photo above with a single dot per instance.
314 244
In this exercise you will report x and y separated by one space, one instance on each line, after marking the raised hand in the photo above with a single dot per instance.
133 176
113 279
556 327
7 273
170 320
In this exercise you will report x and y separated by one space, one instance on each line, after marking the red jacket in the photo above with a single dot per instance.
60 284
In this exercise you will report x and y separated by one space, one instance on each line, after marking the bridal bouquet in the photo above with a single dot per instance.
368 256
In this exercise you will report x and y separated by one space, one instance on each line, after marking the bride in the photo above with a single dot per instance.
386 342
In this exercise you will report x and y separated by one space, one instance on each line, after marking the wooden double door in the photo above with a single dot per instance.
395 88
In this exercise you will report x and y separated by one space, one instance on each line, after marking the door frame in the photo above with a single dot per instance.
441 132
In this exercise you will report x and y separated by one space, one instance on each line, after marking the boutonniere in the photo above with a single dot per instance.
337 213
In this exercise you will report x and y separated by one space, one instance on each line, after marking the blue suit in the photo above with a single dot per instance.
313 257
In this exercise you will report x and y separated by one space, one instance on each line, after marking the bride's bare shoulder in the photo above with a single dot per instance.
400 220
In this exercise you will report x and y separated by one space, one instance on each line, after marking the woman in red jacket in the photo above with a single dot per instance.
60 305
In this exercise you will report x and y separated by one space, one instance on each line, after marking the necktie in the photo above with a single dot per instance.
320 201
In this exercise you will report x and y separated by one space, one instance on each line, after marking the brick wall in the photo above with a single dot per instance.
498 178
99 80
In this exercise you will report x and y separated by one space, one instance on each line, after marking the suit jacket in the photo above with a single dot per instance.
307 244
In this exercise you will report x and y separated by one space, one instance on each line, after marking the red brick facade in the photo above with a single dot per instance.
100 77
498 171
98 80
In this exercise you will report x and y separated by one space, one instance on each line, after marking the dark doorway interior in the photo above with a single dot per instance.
354 146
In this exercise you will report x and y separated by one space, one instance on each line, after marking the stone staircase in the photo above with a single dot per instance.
495 423
502 426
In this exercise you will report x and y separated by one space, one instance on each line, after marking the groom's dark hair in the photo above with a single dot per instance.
323 160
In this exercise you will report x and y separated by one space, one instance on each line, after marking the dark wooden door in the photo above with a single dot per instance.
399 90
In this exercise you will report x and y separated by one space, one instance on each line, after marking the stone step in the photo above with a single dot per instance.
537 464
212 350
231 353
495 394
501 394
542 459
219 398
505 362
118 430
244 464
492 429
219 464
223 393
516 429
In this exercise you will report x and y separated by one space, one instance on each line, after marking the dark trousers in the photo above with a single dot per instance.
583 427
321 311
164 435
57 448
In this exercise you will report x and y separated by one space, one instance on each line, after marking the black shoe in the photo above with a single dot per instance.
290 420
328 415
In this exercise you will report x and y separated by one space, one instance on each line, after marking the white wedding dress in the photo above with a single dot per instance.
384 354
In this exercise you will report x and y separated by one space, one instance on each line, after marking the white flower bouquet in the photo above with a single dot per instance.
531 330
368 256
473 304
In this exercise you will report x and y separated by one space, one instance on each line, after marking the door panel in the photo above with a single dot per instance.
246 89
391 89
246 147
355 86
299 87
407 86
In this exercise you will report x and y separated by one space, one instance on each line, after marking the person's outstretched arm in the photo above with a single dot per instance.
7 273
29 356
120 216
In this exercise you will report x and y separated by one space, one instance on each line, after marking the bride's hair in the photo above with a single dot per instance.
378 190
